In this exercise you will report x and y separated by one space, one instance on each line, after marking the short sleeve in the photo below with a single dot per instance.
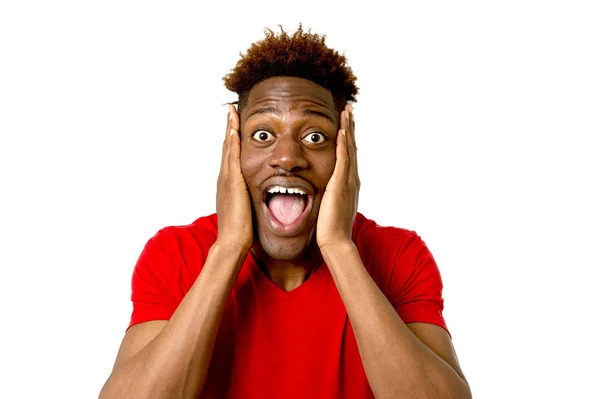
153 284
416 286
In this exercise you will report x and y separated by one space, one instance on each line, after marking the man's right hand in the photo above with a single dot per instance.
160 357
233 200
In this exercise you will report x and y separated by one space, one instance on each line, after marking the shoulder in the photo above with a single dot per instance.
199 234
203 228
178 252
390 254
371 238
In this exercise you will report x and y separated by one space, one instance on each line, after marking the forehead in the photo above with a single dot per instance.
289 93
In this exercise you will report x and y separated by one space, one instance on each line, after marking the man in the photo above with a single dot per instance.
289 292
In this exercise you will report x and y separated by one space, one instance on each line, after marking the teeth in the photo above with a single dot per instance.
283 190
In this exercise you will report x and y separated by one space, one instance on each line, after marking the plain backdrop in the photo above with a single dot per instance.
477 127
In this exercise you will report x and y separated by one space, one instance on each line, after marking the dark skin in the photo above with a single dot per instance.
400 360
289 128
170 359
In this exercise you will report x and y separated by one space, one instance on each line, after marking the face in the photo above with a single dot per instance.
288 130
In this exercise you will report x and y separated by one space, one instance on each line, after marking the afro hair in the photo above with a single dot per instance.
303 55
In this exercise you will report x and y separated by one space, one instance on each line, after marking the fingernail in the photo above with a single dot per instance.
232 132
347 114
344 132
350 107
229 114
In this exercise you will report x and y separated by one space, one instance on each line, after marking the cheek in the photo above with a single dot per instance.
245 159
324 167
250 164
246 165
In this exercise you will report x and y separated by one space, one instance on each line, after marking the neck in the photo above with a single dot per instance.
288 274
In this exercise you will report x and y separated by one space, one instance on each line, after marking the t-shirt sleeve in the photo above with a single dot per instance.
153 285
416 284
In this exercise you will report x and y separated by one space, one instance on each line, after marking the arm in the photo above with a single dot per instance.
170 359
409 361
162 359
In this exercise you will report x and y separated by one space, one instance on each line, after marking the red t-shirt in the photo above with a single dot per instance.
277 344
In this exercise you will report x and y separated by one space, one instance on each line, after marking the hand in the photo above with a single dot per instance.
233 200
340 200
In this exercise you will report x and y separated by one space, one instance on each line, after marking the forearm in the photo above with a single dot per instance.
174 364
396 362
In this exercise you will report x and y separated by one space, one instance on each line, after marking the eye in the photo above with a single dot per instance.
262 136
314 138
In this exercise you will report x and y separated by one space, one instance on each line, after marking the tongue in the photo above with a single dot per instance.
286 207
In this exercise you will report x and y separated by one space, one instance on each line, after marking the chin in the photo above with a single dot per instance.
285 248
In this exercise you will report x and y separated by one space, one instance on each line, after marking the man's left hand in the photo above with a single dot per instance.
340 200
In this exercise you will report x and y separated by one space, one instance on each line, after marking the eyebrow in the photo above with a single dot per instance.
306 112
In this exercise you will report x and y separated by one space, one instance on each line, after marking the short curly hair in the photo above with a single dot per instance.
303 55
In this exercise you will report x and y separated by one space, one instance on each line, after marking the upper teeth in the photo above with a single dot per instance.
283 190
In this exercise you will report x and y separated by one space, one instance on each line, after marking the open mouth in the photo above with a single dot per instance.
287 207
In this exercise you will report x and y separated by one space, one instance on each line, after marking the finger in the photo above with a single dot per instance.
225 154
230 111
344 119
348 124
351 124
342 149
355 152
341 158
235 118
352 151
234 141
234 151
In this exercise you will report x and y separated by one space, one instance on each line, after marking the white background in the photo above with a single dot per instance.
477 126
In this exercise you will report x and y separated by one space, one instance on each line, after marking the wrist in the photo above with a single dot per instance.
233 245
341 249
229 250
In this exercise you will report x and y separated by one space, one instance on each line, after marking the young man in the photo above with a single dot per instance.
289 292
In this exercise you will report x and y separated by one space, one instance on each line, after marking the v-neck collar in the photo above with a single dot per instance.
263 282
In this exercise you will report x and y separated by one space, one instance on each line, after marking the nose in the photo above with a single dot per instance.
288 154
